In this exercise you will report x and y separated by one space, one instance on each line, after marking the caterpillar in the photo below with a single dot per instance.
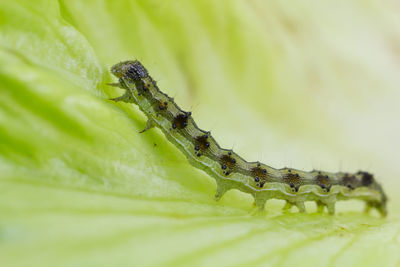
230 170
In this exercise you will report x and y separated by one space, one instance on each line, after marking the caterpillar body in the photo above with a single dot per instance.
230 170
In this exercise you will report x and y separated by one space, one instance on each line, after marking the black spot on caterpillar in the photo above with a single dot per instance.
230 170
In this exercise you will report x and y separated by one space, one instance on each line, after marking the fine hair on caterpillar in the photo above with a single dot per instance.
230 170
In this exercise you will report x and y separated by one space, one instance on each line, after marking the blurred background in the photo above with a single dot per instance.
304 84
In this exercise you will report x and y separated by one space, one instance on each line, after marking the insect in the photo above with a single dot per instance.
230 170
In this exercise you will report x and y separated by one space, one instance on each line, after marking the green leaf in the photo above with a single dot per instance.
285 83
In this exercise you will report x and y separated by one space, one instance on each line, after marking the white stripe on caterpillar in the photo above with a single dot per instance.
229 169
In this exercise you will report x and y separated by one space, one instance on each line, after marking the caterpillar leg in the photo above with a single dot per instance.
222 188
331 208
120 84
116 85
124 98
149 125
367 208
320 206
301 207
260 203
287 206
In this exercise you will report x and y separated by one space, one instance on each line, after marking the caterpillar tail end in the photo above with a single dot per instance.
380 207
383 212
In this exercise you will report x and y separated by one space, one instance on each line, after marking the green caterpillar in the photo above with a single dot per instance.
230 170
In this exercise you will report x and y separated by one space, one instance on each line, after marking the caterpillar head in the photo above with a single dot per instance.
131 68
